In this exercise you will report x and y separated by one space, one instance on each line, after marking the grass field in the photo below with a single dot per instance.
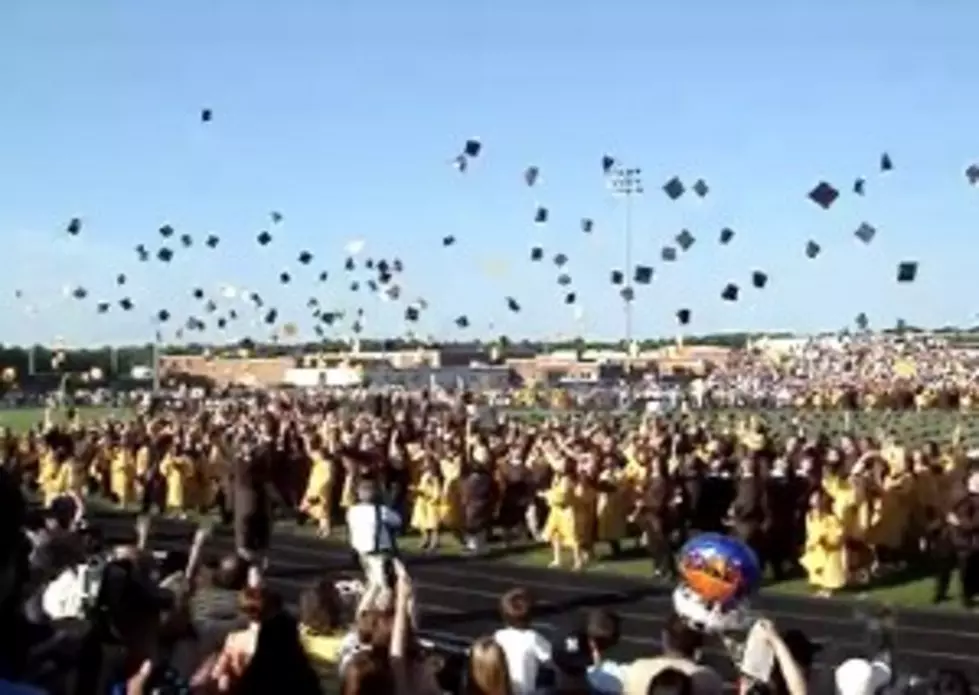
910 427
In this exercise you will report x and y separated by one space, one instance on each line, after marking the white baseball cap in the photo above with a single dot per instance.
861 677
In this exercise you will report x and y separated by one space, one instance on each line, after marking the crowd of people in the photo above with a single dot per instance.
841 513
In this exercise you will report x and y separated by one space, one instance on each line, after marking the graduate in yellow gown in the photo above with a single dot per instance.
49 467
823 559
175 470
893 515
450 503
561 529
319 488
427 507
122 475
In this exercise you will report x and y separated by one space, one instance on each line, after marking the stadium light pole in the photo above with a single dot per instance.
626 182
156 361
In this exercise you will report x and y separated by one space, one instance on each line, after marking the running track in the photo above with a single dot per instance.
459 596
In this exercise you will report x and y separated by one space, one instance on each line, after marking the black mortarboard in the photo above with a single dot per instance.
271 316
472 148
164 254
412 313
540 215
643 275
142 252
560 260
211 306
383 267
284 277
369 264
198 293
275 216
206 115
570 298
324 276
608 161
512 304
759 279
683 317
972 174
701 188
730 293
858 186
812 249
907 271
163 316
222 323
74 226
232 314
462 322
103 307
861 321
587 225
126 303
187 240
685 239
823 195
885 162
372 285
564 279
166 231
617 277
80 293
448 240
865 233
354 286
530 175
536 253
121 279
674 188
264 238
212 240
726 235
461 163
305 257
349 264
627 294
668 253
256 299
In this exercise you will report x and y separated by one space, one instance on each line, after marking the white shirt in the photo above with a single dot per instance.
525 651
364 534
64 597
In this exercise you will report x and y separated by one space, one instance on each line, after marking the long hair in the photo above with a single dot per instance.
487 672
279 659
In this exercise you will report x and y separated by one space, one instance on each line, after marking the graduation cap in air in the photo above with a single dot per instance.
163 316
412 313
861 321
126 304
972 174
564 279
472 148
121 279
587 225
142 252
166 231
730 293
865 233
305 257
642 275
198 293
540 215
460 163
824 195
74 226
448 240
608 161
264 238
627 294
462 322
812 249
164 254
354 286
211 306
349 264
885 162
683 316
222 323
206 115
256 299
759 279
617 277
701 188
570 298
285 278
674 188
187 240
536 253
668 253
685 240
530 175
324 276
102 307
275 216
369 264
512 304
858 186
907 271
560 260
212 241
726 235
271 316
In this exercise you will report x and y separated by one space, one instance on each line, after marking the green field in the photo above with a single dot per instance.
910 427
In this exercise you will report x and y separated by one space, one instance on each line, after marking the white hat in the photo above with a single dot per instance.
861 677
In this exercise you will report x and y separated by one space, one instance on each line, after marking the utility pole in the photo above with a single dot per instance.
626 182
155 356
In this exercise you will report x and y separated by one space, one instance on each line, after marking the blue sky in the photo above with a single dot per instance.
342 115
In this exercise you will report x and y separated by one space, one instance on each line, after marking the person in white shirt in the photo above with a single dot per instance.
525 648
372 526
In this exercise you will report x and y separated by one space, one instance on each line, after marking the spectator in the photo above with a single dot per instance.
524 647
319 623
486 670
602 630
681 651
279 661
570 661
671 681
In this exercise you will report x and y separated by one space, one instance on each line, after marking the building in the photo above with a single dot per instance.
226 371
